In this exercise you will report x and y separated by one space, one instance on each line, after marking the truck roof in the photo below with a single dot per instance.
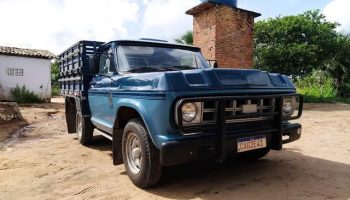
163 43
154 42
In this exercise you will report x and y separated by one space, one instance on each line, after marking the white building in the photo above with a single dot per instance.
25 67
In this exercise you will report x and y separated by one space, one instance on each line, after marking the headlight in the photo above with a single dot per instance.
189 112
289 104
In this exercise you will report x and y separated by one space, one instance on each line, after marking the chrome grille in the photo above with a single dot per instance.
209 114
234 111
234 108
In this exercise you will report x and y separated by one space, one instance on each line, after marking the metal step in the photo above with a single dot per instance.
104 134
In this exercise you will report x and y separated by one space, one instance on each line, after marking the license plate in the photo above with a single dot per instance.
249 108
251 143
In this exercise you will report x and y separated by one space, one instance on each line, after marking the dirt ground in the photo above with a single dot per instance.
41 161
10 119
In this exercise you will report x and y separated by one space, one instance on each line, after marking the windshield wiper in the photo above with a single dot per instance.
184 67
152 68
147 69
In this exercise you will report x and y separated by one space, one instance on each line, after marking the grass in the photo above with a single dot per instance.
55 90
313 99
310 97
23 95
344 100
318 88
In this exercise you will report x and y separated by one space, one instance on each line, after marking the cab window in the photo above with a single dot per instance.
106 62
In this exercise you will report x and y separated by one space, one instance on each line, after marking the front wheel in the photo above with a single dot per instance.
140 156
84 129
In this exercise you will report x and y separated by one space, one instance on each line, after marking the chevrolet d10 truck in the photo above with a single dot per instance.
161 104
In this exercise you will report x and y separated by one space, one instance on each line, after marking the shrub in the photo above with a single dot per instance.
346 90
317 87
55 72
23 95
55 90
55 86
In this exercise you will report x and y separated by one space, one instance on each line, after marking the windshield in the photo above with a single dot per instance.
146 58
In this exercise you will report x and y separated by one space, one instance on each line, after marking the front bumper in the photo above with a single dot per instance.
292 131
210 146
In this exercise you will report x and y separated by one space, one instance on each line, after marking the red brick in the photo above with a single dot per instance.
224 34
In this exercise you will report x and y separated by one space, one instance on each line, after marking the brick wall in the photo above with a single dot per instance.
224 34
204 33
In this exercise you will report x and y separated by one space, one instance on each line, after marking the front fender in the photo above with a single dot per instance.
154 113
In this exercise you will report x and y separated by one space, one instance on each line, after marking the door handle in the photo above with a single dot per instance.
110 98
92 84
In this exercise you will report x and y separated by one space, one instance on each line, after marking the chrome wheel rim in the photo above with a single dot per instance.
134 153
79 127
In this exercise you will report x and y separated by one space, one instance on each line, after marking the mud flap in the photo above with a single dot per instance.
71 112
117 147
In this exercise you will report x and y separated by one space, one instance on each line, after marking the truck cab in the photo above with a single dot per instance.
162 104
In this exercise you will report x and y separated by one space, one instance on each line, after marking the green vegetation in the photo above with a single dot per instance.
23 95
55 87
307 48
317 87
186 38
344 100
56 90
295 45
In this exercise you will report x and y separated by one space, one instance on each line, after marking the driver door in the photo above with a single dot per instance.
100 98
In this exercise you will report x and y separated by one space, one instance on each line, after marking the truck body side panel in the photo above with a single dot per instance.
74 71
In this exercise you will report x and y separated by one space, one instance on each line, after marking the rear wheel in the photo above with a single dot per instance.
140 156
84 129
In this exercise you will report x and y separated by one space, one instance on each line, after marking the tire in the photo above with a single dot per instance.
141 158
254 155
85 130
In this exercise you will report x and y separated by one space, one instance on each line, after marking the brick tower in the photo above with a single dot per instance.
224 33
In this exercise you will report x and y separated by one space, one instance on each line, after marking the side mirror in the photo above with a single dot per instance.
92 64
212 63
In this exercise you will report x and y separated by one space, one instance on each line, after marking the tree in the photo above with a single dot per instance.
339 66
295 45
55 70
186 38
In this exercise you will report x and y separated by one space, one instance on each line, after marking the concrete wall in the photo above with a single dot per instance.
36 75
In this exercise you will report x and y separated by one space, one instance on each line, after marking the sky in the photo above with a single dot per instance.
57 24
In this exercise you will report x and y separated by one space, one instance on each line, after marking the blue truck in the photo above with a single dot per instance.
161 104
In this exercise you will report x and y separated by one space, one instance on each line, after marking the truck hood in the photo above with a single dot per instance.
202 79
